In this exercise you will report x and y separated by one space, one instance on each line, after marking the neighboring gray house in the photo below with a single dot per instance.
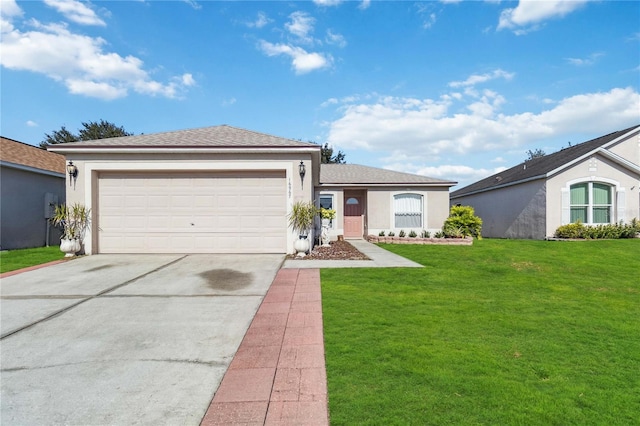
30 179
596 182
227 190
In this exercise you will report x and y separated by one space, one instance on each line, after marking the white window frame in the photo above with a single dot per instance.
616 208
422 210
332 223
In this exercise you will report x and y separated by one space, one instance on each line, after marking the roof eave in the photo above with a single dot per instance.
179 150
386 184
504 185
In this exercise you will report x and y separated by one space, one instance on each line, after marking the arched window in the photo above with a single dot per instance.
408 210
591 202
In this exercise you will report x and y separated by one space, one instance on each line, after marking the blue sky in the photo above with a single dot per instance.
456 90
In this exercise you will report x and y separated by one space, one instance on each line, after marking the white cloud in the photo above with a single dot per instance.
10 9
81 63
426 128
336 39
76 11
530 13
451 172
589 60
482 78
229 102
261 21
300 25
31 123
327 3
364 4
194 4
302 61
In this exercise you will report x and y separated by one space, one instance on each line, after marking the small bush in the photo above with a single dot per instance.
392 234
381 234
439 234
579 230
402 233
425 234
412 234
462 222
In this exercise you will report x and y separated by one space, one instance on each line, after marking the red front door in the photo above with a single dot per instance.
353 211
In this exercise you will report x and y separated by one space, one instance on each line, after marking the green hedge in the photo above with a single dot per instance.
608 231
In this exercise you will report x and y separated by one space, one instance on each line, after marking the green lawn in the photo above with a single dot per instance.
17 259
505 332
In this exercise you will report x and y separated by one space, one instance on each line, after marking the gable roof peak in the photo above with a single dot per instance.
540 167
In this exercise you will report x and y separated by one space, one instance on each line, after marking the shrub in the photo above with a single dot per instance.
412 234
425 234
439 234
605 231
402 233
462 222
381 234
392 234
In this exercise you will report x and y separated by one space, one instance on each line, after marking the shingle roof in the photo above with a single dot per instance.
207 137
354 174
539 167
28 155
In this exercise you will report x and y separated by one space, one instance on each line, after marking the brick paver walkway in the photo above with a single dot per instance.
278 375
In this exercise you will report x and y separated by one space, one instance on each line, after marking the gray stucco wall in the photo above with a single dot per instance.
517 211
22 222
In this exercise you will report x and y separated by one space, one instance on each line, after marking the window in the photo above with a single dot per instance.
407 210
591 203
326 202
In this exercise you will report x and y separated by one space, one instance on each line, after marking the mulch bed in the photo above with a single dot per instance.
337 250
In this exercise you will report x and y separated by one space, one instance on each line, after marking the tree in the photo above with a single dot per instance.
101 130
327 156
537 153
90 131
58 136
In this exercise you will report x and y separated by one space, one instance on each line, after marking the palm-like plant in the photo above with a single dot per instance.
302 216
73 219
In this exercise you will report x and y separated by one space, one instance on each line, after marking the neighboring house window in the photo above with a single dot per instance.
326 202
591 202
407 210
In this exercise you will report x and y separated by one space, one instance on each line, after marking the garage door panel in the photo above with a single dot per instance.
230 212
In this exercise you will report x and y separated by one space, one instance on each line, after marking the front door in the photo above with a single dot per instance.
353 212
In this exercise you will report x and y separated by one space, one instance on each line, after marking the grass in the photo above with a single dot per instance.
18 259
504 332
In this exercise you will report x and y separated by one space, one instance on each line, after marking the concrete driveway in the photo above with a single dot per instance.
125 339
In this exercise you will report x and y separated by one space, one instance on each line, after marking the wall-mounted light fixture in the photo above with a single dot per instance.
302 169
72 170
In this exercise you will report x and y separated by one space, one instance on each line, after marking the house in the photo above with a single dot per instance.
595 182
31 179
223 189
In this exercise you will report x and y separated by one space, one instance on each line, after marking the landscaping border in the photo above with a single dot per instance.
375 239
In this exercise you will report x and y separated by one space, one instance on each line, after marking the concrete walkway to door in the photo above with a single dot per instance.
278 375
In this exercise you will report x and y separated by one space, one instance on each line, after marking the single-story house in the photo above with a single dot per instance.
32 181
223 189
595 182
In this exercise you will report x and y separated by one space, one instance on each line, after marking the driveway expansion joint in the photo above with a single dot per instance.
88 298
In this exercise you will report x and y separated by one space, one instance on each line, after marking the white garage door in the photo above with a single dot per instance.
225 212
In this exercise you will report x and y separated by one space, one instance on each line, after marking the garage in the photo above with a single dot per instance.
187 212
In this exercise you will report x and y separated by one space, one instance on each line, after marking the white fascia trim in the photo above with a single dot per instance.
192 150
505 185
127 166
32 169
600 149
407 186
619 160
616 140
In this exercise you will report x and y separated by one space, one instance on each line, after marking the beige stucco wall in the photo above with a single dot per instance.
596 168
516 211
628 148
84 188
